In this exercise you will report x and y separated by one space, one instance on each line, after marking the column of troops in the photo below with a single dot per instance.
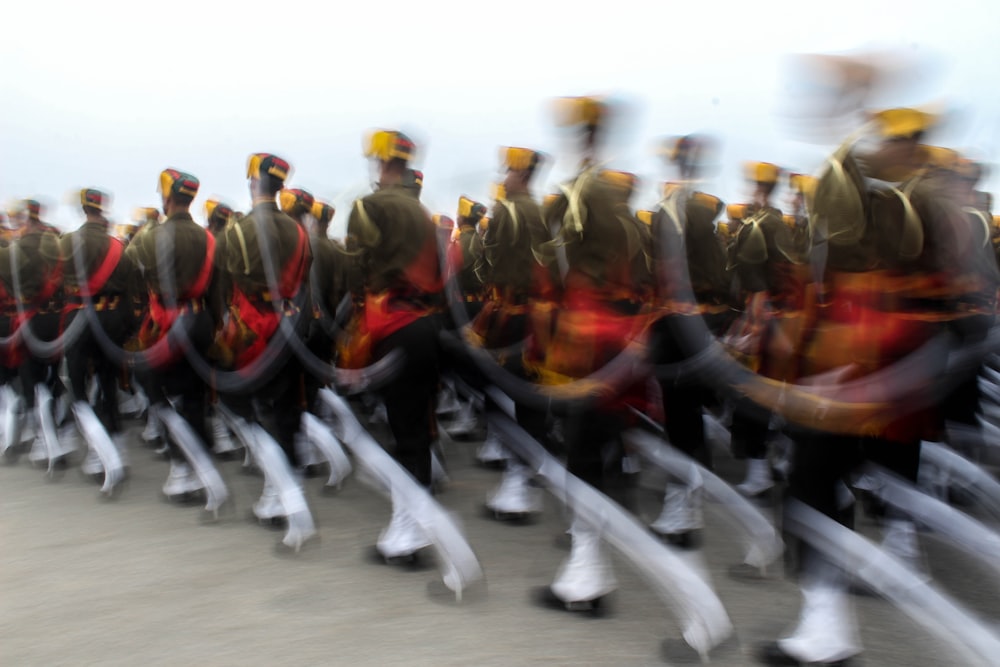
236 326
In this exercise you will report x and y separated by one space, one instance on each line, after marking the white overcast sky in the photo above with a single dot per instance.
106 93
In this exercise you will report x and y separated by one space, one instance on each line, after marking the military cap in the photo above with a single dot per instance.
902 123
736 211
762 172
265 164
34 208
213 208
803 183
91 198
385 145
471 210
145 214
645 216
322 212
589 111
296 201
519 159
174 183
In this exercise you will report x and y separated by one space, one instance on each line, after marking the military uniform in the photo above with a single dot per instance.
35 257
691 294
102 272
254 316
397 254
184 285
893 278
520 286
601 313
463 255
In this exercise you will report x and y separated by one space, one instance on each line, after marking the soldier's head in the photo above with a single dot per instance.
217 214
802 187
177 190
899 153
469 212
764 177
296 202
521 164
691 154
589 114
146 216
392 151
32 211
266 174
94 203
322 214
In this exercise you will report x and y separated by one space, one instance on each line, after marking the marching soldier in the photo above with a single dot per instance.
464 252
691 283
217 215
906 241
95 267
771 260
520 284
600 314
32 264
180 285
396 244
256 309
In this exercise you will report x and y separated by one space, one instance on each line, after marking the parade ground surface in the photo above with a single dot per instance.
135 580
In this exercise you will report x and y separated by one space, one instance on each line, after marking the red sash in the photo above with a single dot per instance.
159 318
250 328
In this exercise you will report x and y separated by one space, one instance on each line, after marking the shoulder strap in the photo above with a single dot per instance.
100 277
200 284
293 270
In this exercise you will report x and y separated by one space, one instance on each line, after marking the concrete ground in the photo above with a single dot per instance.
138 581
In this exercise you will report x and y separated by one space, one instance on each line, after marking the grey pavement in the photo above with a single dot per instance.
136 580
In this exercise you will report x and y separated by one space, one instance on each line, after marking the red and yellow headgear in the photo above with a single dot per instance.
34 208
519 159
177 183
296 201
762 172
91 198
217 210
322 212
588 111
903 123
469 210
385 145
265 164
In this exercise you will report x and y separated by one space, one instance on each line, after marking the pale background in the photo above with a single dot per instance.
107 93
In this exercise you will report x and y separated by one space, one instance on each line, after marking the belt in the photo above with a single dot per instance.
100 303
50 306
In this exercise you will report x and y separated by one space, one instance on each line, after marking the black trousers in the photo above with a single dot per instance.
85 355
36 370
821 461
410 395
676 339
179 378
